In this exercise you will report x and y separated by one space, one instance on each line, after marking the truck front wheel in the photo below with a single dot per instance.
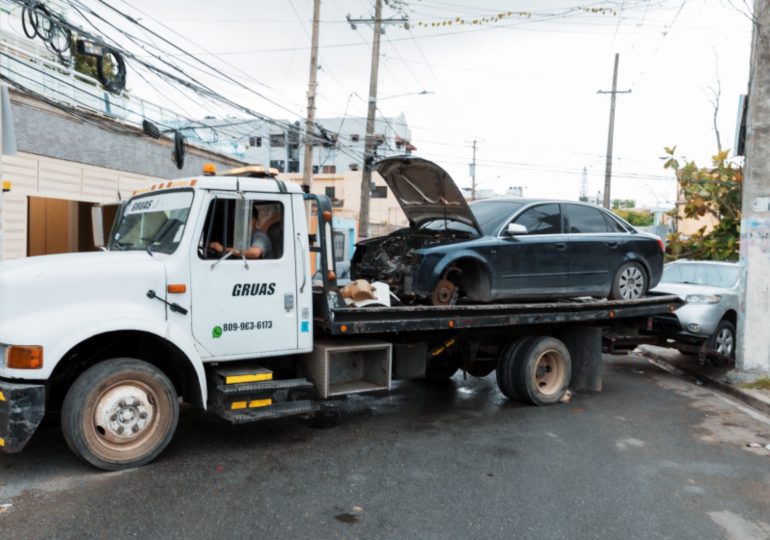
120 414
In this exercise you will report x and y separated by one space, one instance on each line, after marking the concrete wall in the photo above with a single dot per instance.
47 131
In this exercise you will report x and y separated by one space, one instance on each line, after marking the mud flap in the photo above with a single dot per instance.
22 407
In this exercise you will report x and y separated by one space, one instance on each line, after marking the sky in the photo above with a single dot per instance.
524 86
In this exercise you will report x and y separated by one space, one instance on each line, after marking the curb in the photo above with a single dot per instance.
726 388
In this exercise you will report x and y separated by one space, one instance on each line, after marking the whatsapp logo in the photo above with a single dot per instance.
216 332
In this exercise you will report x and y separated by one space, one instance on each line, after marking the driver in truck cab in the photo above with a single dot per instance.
260 246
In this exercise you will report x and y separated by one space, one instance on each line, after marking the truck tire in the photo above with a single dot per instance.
505 368
542 370
119 414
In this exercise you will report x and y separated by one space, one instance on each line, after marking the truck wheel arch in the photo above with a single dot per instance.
188 379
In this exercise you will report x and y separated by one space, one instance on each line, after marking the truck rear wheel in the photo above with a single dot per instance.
542 370
505 368
119 414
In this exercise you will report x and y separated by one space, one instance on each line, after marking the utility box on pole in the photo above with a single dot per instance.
753 352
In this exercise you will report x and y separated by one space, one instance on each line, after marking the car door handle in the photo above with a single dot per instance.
560 246
613 245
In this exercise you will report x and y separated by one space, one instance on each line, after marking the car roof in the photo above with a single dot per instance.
527 201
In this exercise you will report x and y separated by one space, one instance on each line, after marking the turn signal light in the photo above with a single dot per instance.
24 357
176 288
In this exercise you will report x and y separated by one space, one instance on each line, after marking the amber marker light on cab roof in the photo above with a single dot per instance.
209 169
24 357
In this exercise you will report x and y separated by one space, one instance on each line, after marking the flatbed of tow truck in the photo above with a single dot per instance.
398 319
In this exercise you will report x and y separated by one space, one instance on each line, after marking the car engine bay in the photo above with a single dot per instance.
393 258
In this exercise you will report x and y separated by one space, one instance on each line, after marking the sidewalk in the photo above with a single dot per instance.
719 378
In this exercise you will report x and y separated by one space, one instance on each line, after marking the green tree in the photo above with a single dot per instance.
637 218
623 203
714 191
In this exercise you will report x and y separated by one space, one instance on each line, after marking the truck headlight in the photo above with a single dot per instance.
703 299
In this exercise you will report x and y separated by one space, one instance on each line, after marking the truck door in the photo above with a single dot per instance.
245 308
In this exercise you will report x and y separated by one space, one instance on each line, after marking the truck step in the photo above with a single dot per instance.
241 375
276 410
264 386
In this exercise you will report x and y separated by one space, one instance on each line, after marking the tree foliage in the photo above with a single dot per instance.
637 218
716 192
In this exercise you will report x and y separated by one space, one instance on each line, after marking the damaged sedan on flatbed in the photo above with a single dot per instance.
501 249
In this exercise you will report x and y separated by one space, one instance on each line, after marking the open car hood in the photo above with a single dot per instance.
425 191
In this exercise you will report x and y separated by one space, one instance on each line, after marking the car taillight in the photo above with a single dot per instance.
662 245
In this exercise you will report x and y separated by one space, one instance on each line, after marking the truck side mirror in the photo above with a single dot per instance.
97 225
242 233
102 215
516 228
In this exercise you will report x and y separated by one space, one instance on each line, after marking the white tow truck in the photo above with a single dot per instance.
114 340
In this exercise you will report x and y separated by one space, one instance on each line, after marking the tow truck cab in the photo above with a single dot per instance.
160 294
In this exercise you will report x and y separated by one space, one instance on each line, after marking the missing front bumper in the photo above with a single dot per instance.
22 407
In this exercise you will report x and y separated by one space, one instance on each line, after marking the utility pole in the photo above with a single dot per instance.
753 348
366 175
584 186
473 173
608 166
307 161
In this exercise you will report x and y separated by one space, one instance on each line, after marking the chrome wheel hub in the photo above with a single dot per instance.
631 283
725 342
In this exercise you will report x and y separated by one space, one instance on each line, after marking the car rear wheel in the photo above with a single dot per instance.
630 282
722 342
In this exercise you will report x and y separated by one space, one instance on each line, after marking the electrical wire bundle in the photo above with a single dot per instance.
37 21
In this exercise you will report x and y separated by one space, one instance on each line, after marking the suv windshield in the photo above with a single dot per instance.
153 222
711 275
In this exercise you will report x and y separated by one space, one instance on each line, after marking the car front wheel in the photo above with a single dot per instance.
630 282
722 342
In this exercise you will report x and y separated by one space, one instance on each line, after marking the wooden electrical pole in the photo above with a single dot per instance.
307 169
369 142
611 135
753 347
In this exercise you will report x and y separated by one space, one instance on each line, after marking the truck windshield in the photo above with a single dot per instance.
153 222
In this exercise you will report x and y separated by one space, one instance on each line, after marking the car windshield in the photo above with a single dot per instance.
153 222
711 275
493 214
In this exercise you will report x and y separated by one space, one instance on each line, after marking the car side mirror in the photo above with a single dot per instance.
516 228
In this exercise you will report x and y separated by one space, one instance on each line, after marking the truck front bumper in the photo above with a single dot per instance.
22 407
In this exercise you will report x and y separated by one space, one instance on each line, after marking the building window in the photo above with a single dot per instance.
354 137
293 166
329 191
255 142
329 169
277 164
379 192
277 140
338 241
353 166
315 169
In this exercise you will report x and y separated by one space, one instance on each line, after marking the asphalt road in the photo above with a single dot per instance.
653 456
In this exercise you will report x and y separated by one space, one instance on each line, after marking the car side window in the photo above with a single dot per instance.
614 226
541 219
584 219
